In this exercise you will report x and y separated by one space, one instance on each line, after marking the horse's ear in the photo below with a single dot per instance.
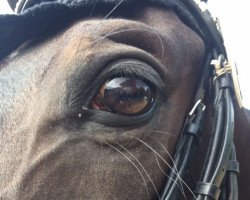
12 4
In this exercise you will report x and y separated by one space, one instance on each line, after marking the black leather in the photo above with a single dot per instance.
233 166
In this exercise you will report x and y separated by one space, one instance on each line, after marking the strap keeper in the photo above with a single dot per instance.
233 166
193 129
225 82
207 189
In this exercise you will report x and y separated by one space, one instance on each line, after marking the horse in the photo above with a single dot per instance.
93 101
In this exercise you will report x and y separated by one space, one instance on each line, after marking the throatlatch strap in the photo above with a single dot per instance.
207 189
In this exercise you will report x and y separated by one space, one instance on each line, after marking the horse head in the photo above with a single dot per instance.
94 98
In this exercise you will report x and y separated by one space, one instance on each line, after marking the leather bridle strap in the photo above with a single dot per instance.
207 25
189 140
220 159
221 142
217 172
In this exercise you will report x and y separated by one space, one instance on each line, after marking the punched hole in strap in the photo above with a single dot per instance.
233 166
207 189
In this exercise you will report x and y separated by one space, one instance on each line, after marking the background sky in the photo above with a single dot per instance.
234 18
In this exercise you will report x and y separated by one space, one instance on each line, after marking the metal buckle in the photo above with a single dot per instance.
196 105
219 70
220 67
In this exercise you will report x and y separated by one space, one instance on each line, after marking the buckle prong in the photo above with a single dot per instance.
196 105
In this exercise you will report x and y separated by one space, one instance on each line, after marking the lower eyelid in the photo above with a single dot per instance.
114 120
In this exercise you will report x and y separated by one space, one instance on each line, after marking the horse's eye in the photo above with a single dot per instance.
125 96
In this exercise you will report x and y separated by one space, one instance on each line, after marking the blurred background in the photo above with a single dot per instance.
233 17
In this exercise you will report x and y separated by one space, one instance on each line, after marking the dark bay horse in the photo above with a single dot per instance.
64 134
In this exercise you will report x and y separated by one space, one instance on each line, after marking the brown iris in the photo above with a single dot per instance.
127 96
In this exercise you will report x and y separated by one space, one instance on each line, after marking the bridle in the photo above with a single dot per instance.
219 175
218 179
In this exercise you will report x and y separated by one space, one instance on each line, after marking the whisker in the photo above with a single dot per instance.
142 169
175 167
163 132
171 158
103 37
116 6
113 9
145 183
93 8
168 166
180 187
157 160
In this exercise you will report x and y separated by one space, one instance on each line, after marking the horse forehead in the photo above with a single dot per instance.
159 22
162 20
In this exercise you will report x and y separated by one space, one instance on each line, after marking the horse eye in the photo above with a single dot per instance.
125 96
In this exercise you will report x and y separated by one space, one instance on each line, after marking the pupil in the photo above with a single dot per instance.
124 96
